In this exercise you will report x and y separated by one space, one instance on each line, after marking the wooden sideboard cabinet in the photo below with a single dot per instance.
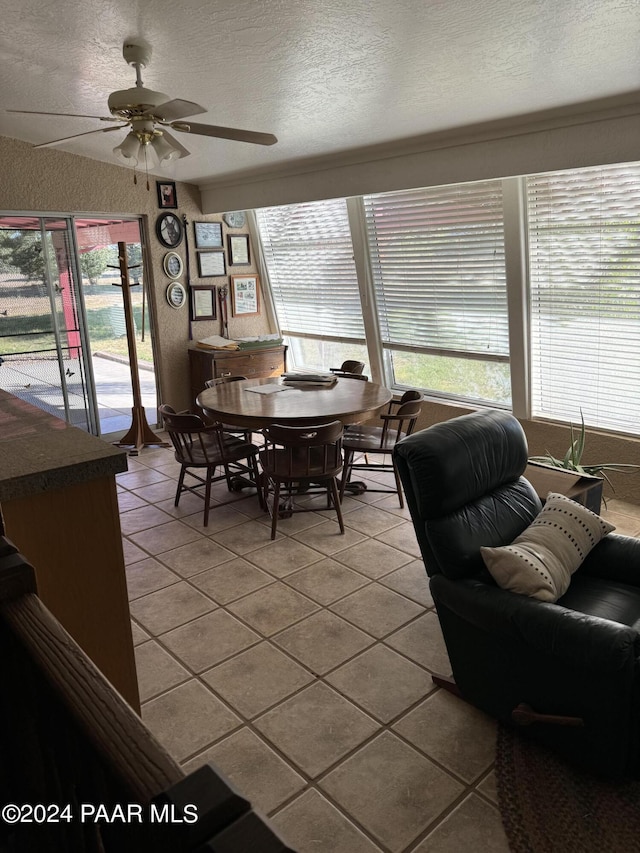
254 364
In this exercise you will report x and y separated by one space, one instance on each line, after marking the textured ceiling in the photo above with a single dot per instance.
324 76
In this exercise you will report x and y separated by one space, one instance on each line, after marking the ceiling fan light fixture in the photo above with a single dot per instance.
129 148
164 150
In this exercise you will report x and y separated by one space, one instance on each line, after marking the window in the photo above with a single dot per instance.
438 267
584 248
309 257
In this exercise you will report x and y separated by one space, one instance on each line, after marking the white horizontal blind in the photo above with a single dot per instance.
438 267
584 245
309 257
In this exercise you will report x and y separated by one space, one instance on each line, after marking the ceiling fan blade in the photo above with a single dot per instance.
76 135
173 110
225 132
184 152
67 115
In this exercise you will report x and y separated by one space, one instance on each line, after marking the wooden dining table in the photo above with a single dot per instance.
348 400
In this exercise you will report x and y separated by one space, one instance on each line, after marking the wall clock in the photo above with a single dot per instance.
235 219
169 230
176 295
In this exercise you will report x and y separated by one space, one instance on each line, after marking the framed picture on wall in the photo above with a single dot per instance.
238 249
208 235
211 264
167 196
203 302
245 295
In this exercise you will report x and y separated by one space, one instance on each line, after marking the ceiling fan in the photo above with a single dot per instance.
148 114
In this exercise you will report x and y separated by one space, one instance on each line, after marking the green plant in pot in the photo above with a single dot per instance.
572 459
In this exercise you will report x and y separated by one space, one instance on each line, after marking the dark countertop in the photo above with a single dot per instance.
39 452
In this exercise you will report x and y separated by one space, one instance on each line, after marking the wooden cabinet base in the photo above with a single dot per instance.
72 538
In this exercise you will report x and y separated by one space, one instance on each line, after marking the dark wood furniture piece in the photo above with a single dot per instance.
295 457
349 368
68 738
584 489
398 421
347 400
59 504
255 363
207 447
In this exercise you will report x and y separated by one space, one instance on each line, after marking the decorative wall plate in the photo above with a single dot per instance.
234 219
176 295
172 263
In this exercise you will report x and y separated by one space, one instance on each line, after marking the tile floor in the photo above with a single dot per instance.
301 667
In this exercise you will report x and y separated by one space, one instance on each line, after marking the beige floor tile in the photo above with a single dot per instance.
411 580
296 523
391 504
132 553
327 539
395 813
382 682
208 640
489 786
127 501
273 608
626 525
473 825
196 557
453 733
142 518
142 476
139 634
156 457
167 608
369 496
283 556
422 641
244 537
256 679
402 537
148 576
165 537
188 719
319 503
253 768
221 517
190 505
163 491
377 610
372 558
310 824
157 670
231 580
326 581
322 641
315 728
370 520
621 508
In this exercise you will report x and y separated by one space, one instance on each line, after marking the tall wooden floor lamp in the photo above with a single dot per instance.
140 433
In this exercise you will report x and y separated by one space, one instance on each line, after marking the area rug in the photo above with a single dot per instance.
549 807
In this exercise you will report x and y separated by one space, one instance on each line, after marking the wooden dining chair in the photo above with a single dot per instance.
207 447
233 429
350 367
365 440
296 457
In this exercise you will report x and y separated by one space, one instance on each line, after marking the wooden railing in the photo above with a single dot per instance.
79 770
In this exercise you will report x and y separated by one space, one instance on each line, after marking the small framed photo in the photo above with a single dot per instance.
238 249
245 295
172 264
167 196
203 302
208 235
211 264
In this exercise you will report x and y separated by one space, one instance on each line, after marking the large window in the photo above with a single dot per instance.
433 278
307 249
584 238
437 257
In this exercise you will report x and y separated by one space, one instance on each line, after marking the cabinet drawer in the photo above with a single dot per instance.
252 366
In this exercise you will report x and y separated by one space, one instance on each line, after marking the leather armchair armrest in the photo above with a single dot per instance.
570 637
615 558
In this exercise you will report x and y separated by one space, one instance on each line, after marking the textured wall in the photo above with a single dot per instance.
46 180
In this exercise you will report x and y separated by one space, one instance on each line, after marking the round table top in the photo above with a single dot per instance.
348 400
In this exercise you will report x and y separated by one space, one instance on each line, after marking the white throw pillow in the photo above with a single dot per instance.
542 559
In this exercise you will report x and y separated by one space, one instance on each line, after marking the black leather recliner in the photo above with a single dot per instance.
576 659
